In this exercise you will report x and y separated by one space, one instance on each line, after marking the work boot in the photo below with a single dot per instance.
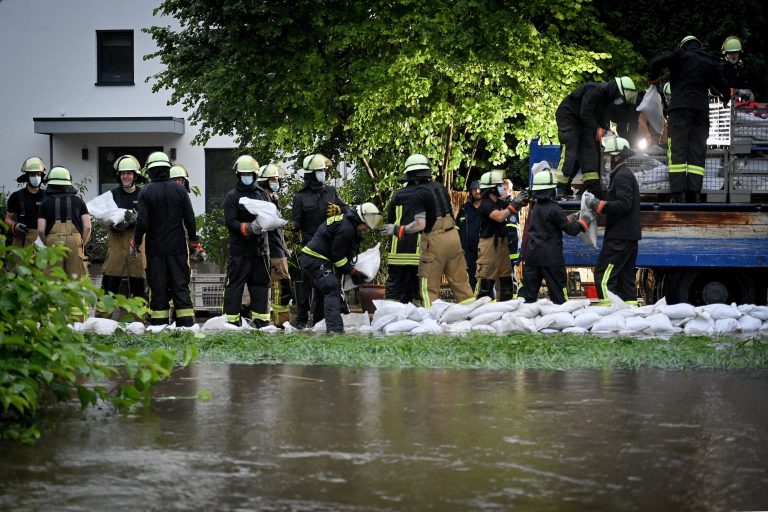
505 288
693 197
677 197
485 288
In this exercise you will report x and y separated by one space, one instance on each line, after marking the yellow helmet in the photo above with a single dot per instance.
59 176
544 180
731 44
627 89
270 171
315 162
369 213
492 179
31 164
246 164
129 163
178 171
615 145
157 159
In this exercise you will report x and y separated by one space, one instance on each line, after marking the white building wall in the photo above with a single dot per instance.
48 64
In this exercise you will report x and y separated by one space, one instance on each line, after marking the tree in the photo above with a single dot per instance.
372 81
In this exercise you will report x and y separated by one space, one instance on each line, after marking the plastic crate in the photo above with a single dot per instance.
208 292
748 177
749 127
652 175
720 119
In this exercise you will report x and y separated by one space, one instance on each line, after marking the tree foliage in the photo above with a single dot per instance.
466 82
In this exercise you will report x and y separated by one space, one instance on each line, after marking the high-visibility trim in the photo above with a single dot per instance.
424 282
604 303
307 250
335 218
632 303
695 169
233 319
600 207
584 224
514 256
243 230
469 300
561 178
403 259
165 313
260 316
591 175
677 168
340 263
280 309
565 293
604 282
182 313
513 225
395 238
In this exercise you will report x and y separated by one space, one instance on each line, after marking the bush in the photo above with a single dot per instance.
42 360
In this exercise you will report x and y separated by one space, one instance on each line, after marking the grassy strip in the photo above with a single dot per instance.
562 351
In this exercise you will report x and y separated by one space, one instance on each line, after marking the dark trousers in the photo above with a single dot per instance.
555 278
471 258
251 271
402 283
323 277
688 132
168 279
616 271
304 298
580 147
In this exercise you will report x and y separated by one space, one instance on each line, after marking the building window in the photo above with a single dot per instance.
219 176
114 57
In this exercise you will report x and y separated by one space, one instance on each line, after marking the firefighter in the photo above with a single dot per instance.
692 74
493 253
543 258
166 217
180 175
406 219
119 261
269 180
615 270
730 68
63 219
441 252
331 253
24 204
468 226
513 234
582 117
312 205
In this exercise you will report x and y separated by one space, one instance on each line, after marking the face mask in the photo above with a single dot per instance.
274 187
500 191
35 181
320 176
246 180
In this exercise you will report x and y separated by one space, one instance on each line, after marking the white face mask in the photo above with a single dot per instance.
500 191
35 181
246 180
320 176
274 187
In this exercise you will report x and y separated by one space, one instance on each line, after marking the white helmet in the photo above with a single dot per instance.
369 213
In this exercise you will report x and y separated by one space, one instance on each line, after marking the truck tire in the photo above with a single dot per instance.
709 286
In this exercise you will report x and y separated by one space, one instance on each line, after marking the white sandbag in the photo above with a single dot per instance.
135 328
628 313
319 326
609 324
104 209
528 310
586 320
557 321
388 307
419 314
492 307
748 323
616 302
427 326
156 329
498 326
103 326
288 328
567 307
267 216
635 325
367 262
726 326
549 330
700 326
271 328
513 322
645 310
218 324
401 326
379 323
542 323
760 312
718 311
354 321
438 307
601 310
680 322
484 328
681 310
653 109
457 328
486 318
764 327
746 308
589 236
456 313
575 330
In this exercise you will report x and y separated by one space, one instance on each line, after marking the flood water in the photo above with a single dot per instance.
329 438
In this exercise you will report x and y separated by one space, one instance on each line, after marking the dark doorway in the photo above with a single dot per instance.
219 176
107 157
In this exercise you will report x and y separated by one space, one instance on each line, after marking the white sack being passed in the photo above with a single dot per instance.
267 216
104 209
653 109
589 236
367 262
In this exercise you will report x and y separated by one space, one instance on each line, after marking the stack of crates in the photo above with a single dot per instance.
208 292
652 174
749 178
748 165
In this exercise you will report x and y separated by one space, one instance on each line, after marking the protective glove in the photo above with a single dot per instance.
586 219
120 226
519 201
196 252
250 228
130 217
332 210
291 226
387 230
592 202
134 250
19 229
358 277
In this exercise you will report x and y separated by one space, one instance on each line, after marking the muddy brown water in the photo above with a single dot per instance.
311 438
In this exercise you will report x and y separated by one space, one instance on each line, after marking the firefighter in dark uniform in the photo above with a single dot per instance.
692 74
730 69
167 219
248 262
119 260
615 270
493 254
409 212
332 252
441 252
581 118
312 205
269 180
180 175
513 235
543 258
468 226
24 204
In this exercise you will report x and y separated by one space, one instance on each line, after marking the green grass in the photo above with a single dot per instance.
540 351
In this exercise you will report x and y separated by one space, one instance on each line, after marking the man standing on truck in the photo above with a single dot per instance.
692 74
615 270
582 117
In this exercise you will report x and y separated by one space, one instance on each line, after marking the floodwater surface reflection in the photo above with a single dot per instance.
339 438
